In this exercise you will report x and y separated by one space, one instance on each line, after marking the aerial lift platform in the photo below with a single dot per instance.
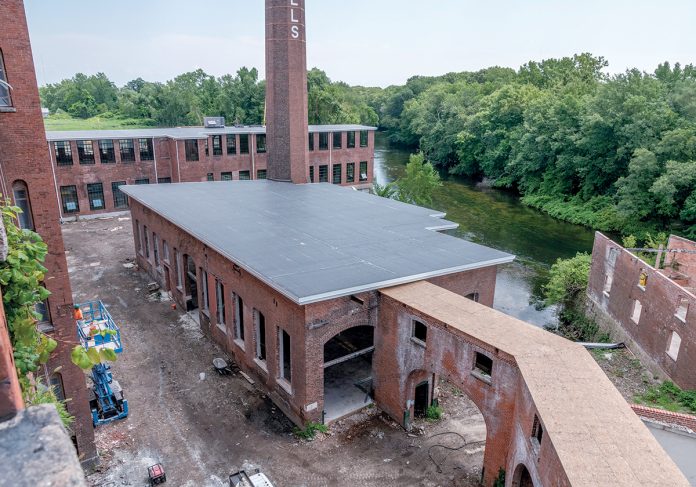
97 330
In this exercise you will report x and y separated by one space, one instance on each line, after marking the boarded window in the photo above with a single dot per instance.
674 345
682 309
637 310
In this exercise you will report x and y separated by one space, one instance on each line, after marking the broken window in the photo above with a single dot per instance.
147 152
643 279
85 151
364 138
211 176
420 331
178 268
261 143
260 336
142 181
483 364
311 142
682 309
226 176
537 431
238 317
231 145
63 153
608 281
220 303
5 98
350 172
473 296
285 356
107 154
127 150
637 310
204 290
363 171
120 198
21 199
261 174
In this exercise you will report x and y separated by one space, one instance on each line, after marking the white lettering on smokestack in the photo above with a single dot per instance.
294 30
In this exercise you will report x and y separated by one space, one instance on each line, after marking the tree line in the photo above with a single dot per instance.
616 153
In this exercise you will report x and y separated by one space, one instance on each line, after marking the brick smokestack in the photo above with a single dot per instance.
286 91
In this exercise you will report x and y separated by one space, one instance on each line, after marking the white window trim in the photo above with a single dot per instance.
672 350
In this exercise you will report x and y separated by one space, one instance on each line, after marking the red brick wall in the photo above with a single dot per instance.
24 156
679 419
660 299
10 394
682 263
166 165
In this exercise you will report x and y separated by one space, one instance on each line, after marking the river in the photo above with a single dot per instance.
497 219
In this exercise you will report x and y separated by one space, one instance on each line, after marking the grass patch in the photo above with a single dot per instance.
63 121
670 397
433 413
310 431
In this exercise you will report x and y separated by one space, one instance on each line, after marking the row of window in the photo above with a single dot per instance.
243 175
337 140
184 266
95 195
337 173
107 152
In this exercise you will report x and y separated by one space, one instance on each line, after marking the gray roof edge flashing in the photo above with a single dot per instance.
317 298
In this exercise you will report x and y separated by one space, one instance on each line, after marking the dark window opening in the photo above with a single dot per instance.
231 145
63 153
107 154
473 296
323 174
311 174
68 196
127 150
220 303
537 430
420 331
226 176
363 171
350 172
191 148
261 143
244 144
244 175
217 145
146 240
164 180
337 170
483 364
147 153
5 98
351 140
285 360
311 142
205 148
261 174
260 336
238 317
337 142
21 199
211 176
323 141
363 138
120 198
85 151
142 181
95 195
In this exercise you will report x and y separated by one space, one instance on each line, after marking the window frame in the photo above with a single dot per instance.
261 144
245 175
148 154
261 174
261 352
481 369
350 172
350 142
119 195
283 354
310 142
220 308
85 156
239 334
325 178
126 149
63 153
231 149
244 143
226 176
337 140
217 145
191 150
6 98
334 179
364 138
323 141
367 176
63 193
25 219
92 190
107 151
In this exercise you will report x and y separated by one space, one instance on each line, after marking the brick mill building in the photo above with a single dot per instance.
650 307
26 177
89 167
333 298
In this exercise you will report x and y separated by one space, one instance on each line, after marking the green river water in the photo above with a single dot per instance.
497 219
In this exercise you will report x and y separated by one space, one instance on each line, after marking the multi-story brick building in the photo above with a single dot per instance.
26 177
649 307
90 166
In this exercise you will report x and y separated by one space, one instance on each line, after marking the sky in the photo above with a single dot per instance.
361 42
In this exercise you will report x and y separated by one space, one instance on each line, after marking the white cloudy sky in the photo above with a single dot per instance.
367 42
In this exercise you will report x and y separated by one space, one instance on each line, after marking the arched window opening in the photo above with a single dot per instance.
21 198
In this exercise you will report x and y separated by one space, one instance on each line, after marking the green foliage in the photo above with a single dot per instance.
433 413
39 393
418 183
669 396
500 480
387 190
310 430
568 280
21 276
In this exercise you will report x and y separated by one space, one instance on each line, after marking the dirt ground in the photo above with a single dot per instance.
204 427
627 373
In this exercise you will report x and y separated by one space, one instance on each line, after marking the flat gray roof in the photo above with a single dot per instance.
183 132
313 242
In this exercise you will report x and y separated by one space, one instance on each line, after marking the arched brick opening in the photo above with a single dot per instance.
347 371
522 477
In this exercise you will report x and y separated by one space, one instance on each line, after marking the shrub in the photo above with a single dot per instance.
433 413
310 430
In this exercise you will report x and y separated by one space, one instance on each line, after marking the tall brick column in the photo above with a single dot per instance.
24 157
286 91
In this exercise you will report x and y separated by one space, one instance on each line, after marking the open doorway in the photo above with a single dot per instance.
420 402
521 478
191 283
348 372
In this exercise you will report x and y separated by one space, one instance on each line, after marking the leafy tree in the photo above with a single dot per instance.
568 281
419 182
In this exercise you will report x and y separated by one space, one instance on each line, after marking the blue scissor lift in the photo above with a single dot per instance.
98 330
